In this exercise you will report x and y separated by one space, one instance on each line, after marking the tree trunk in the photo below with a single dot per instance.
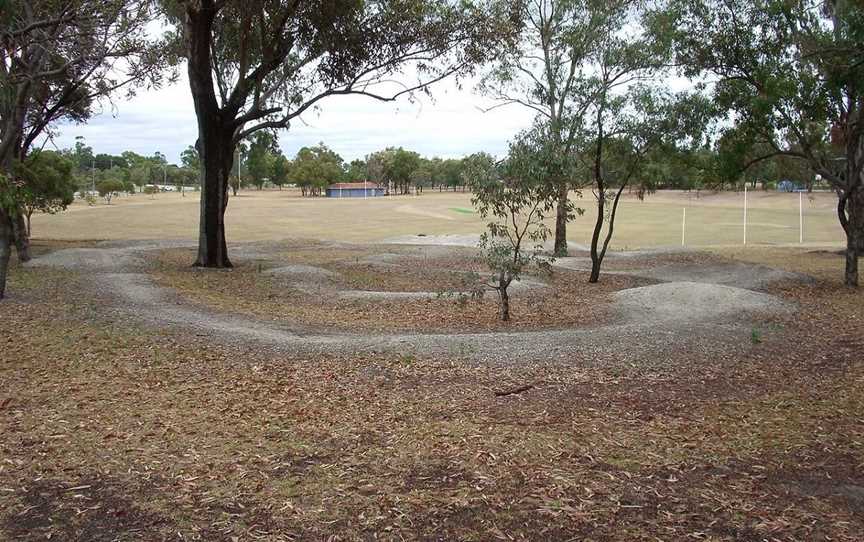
5 249
216 161
854 235
504 297
215 137
596 259
851 275
21 235
504 304
560 249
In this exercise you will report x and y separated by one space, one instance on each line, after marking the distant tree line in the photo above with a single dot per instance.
314 168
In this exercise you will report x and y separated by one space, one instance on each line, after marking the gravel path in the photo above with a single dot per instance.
653 321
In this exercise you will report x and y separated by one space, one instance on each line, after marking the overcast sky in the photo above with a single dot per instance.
450 125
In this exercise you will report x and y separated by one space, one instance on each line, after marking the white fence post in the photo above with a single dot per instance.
683 226
801 217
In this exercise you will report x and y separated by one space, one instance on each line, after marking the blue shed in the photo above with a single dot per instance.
354 190
789 186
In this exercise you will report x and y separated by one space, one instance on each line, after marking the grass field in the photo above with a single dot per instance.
712 219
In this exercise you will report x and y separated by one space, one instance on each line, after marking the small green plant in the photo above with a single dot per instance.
407 360
755 335
90 199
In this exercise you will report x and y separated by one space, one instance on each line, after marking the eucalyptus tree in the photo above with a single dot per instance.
260 64
262 153
550 72
47 186
58 59
624 130
516 195
316 167
790 75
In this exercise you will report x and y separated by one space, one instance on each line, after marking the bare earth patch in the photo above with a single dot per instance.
418 291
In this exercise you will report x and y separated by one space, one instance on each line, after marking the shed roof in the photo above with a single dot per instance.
346 186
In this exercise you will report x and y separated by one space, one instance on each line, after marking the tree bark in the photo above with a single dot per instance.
854 226
560 249
596 259
600 187
215 138
504 305
21 235
598 256
216 161
504 297
5 249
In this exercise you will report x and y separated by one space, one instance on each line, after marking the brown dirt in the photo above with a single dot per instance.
248 290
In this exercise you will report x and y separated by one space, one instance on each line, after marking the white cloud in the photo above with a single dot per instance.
449 125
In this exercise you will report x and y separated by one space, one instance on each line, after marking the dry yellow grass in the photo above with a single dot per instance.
712 219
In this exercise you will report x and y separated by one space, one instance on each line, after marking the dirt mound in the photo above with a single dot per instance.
693 302
738 274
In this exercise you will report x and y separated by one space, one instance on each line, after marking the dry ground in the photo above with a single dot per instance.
111 430
451 282
712 219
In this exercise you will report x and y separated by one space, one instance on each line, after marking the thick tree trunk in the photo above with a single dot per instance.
215 136
21 235
560 249
216 160
854 236
851 275
5 249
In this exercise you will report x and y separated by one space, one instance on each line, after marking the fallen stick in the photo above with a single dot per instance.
514 391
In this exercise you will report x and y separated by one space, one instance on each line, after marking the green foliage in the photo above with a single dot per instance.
789 77
755 335
262 155
281 170
315 168
190 158
357 171
108 188
396 167
516 199
48 184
